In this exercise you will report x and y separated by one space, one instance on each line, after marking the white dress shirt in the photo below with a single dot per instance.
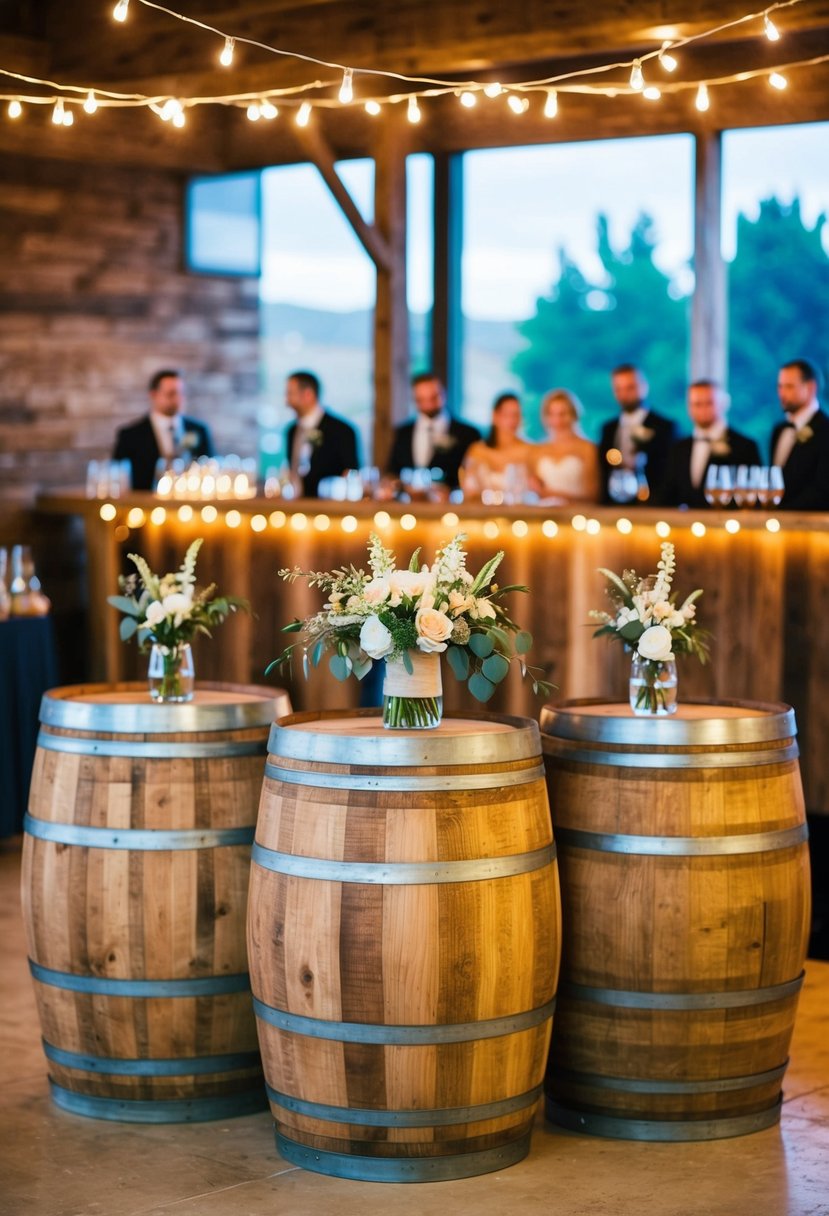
788 436
628 423
303 449
168 432
426 438
701 449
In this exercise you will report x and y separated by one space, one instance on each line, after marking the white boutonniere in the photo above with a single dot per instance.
189 441
804 434
720 447
313 437
445 443
642 435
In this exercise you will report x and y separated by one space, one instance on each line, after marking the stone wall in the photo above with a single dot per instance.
94 298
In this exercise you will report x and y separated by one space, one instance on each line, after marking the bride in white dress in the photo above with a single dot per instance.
566 468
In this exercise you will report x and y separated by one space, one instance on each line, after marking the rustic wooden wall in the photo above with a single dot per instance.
94 297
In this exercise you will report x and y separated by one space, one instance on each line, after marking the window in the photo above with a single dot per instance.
223 226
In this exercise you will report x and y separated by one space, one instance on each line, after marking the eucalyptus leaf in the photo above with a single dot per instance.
127 628
317 653
125 604
339 666
407 662
361 667
458 660
631 632
480 687
481 644
523 641
495 668
306 664
502 637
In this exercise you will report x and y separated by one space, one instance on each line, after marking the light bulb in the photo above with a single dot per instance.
58 112
637 79
652 93
667 60
770 29
68 118
91 103
303 114
268 110
121 9
778 81
15 109
703 100
468 99
169 108
373 108
413 110
178 118
226 57
254 111
551 104
518 105
347 87
493 89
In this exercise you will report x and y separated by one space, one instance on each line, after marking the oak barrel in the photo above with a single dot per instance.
685 892
404 941
136 861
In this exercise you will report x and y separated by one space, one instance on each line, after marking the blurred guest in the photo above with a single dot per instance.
566 467
712 443
639 439
502 461
434 439
800 445
319 444
165 431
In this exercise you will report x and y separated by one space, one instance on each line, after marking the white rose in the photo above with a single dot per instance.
662 610
377 591
375 638
655 643
434 630
178 605
675 621
156 613
411 583
482 610
626 615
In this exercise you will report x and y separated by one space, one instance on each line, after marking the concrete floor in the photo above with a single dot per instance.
56 1164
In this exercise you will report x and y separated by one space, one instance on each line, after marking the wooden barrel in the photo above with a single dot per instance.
685 890
135 874
403 936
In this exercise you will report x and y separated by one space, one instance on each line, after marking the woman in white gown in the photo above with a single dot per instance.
566 467
498 468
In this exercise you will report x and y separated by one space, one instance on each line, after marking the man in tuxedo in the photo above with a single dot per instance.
165 431
319 444
713 442
800 445
639 439
433 439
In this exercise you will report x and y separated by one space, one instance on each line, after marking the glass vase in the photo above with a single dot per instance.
652 687
170 673
413 700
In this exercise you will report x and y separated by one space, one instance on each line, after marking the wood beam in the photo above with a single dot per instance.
447 315
709 308
391 315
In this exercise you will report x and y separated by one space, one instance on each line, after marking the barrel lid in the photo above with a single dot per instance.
695 724
125 708
358 737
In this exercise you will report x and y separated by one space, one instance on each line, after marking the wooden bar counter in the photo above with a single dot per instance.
766 591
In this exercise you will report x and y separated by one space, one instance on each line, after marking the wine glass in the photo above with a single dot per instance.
711 484
740 491
776 484
761 484
622 485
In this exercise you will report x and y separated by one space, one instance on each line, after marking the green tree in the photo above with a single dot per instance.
581 329
778 300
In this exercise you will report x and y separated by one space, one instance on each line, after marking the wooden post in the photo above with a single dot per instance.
709 311
447 313
391 316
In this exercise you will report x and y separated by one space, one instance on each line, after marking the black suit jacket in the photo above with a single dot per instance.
335 452
655 450
447 458
677 489
137 444
806 472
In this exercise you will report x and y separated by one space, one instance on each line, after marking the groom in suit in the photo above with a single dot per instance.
434 439
800 445
639 439
319 444
165 431
713 442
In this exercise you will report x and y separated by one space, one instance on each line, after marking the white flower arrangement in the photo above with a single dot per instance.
388 612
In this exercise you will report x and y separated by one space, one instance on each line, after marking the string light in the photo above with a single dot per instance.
468 100
91 103
702 101
258 523
268 111
58 113
778 81
413 110
347 87
121 9
666 59
624 526
226 56
663 528
209 514
551 104
518 105
303 114
108 512
299 522
407 522
732 526
178 117
770 29
185 513
382 520
698 528
549 528
15 109
493 89
637 78
373 108
254 111
652 93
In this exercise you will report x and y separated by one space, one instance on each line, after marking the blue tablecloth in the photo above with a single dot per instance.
28 666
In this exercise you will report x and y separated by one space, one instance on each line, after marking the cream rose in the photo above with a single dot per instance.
411 583
433 629
156 613
178 606
655 643
377 591
375 638
482 610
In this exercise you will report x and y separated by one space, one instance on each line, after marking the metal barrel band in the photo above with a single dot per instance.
405 1118
148 751
637 1086
142 717
776 721
403 1169
184 1066
209 985
560 750
176 1110
140 839
737 999
684 846
402 873
419 1036
288 739
426 784
662 1129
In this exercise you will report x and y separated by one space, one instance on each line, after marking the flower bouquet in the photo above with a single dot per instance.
409 617
646 619
165 613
